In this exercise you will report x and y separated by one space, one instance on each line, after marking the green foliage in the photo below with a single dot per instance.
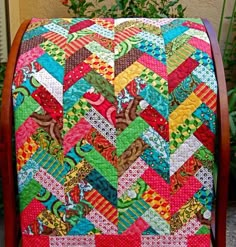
229 59
126 8
232 119
2 73
229 55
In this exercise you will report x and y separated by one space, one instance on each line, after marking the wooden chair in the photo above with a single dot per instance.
8 172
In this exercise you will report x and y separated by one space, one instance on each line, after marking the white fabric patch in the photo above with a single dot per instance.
101 222
80 241
51 84
198 34
51 184
189 229
156 222
205 177
101 124
183 153
102 31
134 172
206 76
163 241
157 23
57 29
101 52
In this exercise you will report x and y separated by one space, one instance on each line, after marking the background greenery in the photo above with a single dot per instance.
2 72
126 8
229 59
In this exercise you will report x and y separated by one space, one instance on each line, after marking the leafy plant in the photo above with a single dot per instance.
229 59
232 119
126 8
229 55
2 73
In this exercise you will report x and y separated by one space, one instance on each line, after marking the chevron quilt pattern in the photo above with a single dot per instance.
115 123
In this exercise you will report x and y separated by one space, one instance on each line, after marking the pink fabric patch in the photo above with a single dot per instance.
101 222
25 131
131 175
50 183
154 65
184 194
29 57
67 241
35 241
201 45
157 183
102 105
139 226
30 213
194 25
75 134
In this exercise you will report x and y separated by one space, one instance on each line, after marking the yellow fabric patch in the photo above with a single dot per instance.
122 80
184 111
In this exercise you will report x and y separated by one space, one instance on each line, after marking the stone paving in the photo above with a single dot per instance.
231 225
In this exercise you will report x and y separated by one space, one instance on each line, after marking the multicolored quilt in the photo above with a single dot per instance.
115 124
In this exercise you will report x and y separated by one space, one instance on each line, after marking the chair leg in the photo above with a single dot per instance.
8 188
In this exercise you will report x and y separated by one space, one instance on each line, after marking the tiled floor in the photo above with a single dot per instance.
231 228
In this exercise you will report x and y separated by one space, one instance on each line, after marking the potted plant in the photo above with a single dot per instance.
125 8
229 59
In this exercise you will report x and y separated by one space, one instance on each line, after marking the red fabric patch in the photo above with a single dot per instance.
207 96
157 121
184 194
181 176
157 183
81 25
102 105
199 241
102 145
49 103
74 75
205 136
35 241
118 240
31 212
194 25
179 74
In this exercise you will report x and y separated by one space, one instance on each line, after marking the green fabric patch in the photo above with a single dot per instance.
25 110
203 230
101 85
130 134
105 168
29 193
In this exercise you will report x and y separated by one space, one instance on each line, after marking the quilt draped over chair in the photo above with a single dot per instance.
115 123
